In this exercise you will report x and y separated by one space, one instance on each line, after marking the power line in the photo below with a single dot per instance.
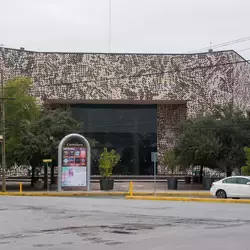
243 49
222 44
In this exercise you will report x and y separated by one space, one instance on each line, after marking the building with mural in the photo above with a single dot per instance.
133 103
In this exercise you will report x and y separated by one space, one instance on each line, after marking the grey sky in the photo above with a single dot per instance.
161 26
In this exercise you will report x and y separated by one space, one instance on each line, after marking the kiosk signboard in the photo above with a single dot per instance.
74 166
74 163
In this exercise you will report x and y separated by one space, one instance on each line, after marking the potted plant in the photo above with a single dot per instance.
107 162
170 160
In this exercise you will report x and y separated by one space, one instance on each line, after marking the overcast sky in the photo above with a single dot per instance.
160 26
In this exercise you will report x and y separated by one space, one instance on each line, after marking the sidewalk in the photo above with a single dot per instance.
138 186
120 189
174 193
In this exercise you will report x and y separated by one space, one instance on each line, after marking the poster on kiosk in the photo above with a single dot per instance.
74 166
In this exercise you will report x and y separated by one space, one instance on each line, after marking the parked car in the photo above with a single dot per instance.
231 187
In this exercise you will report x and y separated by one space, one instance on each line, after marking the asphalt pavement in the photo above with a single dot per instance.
106 223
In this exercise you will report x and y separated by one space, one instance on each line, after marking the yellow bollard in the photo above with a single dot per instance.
21 187
131 188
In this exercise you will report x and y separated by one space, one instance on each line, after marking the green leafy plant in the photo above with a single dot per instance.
107 162
246 169
20 108
215 140
170 160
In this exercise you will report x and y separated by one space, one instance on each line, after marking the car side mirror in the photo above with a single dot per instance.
248 183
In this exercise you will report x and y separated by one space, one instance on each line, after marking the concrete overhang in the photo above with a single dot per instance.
138 102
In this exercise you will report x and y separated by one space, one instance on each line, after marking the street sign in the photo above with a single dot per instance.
47 160
154 160
153 156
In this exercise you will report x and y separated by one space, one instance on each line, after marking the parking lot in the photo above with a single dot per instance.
114 223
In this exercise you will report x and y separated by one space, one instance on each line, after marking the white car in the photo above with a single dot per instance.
231 187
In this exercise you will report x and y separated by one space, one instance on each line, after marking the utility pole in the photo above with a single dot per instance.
3 134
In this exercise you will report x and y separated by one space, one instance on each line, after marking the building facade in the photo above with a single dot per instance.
134 103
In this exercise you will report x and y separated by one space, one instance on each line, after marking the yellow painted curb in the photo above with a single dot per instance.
104 193
186 199
64 194
183 194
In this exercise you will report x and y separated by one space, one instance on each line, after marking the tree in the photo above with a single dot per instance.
40 138
20 108
233 130
198 145
215 140
246 169
30 127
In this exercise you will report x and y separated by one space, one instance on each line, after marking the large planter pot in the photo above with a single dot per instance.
207 183
172 183
187 179
106 183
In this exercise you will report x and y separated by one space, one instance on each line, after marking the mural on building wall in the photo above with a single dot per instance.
200 80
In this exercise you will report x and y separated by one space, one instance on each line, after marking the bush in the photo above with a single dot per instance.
107 162
170 160
246 169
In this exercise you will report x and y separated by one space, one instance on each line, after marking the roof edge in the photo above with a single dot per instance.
122 53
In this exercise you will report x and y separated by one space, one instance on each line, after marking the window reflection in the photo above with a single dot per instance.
129 129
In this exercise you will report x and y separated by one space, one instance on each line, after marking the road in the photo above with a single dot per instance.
113 223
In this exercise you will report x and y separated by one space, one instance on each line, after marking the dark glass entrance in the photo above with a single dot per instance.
129 129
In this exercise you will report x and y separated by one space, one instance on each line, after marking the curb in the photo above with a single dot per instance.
95 194
186 199
182 194
64 194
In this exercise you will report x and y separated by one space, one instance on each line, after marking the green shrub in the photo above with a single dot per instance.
170 160
107 162
246 169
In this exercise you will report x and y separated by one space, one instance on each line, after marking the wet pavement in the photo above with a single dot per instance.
88 223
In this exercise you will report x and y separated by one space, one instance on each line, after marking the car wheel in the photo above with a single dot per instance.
221 194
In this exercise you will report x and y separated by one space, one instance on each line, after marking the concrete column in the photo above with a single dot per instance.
169 118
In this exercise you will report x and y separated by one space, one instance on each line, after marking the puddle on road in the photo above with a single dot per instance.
104 234
43 245
4 242
121 232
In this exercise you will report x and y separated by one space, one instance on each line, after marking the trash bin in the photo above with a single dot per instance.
207 183
172 183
